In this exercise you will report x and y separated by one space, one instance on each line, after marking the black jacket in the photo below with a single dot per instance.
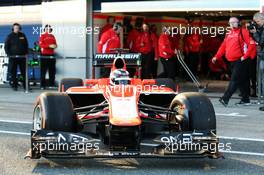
259 38
16 44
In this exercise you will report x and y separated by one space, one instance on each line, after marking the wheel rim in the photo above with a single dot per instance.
180 108
37 118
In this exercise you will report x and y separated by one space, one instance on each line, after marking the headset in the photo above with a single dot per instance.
48 27
117 26
16 24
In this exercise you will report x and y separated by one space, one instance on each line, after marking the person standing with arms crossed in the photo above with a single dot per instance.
16 48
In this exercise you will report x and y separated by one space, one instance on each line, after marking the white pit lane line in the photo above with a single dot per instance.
15 121
243 153
233 114
14 132
241 139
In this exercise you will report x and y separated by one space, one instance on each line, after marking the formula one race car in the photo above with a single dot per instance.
121 117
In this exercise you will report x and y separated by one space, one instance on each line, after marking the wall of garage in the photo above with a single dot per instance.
68 19
28 16
61 15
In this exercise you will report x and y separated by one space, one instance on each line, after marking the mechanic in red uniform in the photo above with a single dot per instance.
155 50
132 37
176 39
130 43
48 44
144 44
237 47
192 50
109 24
166 53
110 39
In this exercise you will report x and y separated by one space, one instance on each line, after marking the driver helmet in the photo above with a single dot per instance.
119 77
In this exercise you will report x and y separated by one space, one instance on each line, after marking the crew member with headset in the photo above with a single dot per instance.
16 48
48 44
109 24
237 47
109 41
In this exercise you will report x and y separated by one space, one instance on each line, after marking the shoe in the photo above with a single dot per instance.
14 88
223 102
261 108
253 92
245 103
51 87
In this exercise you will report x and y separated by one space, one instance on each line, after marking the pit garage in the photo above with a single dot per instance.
209 19
93 15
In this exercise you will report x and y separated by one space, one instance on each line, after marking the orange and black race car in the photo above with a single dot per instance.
120 117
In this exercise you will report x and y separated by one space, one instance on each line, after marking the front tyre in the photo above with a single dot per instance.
195 112
54 111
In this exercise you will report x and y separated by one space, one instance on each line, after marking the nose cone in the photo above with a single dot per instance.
123 109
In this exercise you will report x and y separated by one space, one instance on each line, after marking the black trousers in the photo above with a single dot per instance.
13 64
239 80
50 66
205 58
154 65
193 62
146 63
168 68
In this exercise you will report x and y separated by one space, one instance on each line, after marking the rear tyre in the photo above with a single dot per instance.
166 82
54 111
195 111
67 83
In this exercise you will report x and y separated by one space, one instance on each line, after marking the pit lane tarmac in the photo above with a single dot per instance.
243 127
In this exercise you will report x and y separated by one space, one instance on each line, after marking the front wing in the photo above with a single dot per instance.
168 145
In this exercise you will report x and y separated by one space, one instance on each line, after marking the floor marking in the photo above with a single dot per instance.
16 121
234 114
241 138
243 153
14 132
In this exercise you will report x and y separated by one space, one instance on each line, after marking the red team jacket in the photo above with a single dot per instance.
144 43
132 38
104 29
109 40
235 46
166 49
45 40
176 41
192 43
253 54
